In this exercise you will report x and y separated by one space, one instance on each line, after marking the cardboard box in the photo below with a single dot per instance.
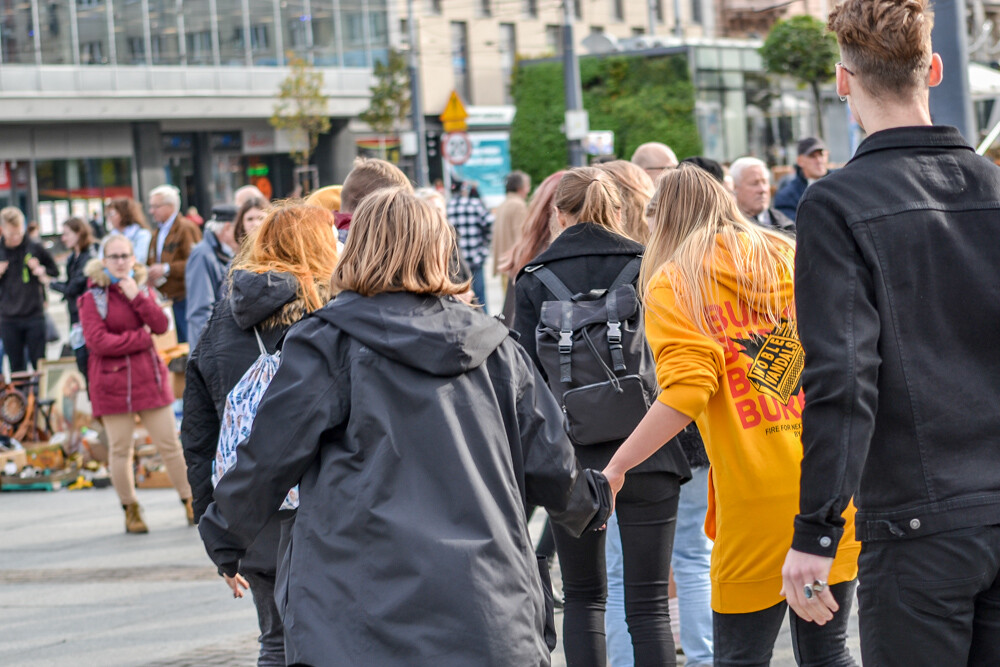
18 456
45 456
155 479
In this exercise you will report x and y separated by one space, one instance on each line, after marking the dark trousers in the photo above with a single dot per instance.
19 334
272 632
932 600
647 514
181 320
747 640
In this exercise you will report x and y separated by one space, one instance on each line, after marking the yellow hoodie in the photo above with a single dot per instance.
743 389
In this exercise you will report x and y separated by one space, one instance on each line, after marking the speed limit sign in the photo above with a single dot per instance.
457 148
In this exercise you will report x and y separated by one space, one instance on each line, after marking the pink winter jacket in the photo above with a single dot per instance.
125 372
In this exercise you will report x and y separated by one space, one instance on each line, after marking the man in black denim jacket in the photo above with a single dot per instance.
898 302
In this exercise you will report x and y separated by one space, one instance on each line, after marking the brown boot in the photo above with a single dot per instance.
188 510
133 519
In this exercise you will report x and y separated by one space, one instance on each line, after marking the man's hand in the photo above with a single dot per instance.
802 569
156 272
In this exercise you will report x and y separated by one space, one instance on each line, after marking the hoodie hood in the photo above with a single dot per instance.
436 335
94 270
755 288
264 298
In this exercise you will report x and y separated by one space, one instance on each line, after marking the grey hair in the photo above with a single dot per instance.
737 168
171 194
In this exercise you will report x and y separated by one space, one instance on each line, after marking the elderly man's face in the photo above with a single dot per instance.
160 209
814 165
753 190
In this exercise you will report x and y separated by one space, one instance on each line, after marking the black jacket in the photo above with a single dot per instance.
790 193
76 281
419 431
585 256
898 305
22 295
228 347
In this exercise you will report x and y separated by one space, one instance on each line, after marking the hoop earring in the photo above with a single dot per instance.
843 98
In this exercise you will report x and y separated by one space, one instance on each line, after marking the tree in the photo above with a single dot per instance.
301 108
802 48
390 101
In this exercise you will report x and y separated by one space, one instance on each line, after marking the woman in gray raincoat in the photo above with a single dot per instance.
419 431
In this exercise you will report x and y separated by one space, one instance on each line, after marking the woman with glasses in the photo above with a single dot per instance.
127 377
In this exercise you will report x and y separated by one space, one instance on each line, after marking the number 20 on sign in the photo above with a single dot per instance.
457 148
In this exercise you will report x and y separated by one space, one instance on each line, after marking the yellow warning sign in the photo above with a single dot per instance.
454 115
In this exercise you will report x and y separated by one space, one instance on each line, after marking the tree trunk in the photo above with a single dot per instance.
818 101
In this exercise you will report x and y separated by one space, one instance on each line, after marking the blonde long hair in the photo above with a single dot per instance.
636 188
692 210
587 194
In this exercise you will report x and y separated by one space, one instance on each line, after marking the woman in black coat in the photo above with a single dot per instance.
76 236
418 431
282 275
589 254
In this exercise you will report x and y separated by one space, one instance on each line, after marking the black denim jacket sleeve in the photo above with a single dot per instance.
839 328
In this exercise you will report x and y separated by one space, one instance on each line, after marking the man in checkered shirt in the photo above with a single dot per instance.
474 224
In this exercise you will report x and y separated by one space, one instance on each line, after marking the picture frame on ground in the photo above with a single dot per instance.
63 383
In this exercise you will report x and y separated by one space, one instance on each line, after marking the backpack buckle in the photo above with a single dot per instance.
614 332
565 342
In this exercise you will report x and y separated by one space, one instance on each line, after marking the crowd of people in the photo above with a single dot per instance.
790 405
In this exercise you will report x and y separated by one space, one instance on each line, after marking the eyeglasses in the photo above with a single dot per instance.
841 66
117 258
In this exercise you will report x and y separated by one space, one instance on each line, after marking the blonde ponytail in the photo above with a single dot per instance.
586 194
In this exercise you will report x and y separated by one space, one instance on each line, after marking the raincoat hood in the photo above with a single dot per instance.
437 335
257 297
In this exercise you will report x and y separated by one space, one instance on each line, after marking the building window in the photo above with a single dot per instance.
508 53
638 32
164 28
460 59
484 8
531 8
618 10
232 43
553 39
578 9
696 13
434 6
658 8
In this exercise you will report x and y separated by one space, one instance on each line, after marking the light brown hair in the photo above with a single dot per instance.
298 240
587 194
886 43
130 211
368 175
636 188
692 210
239 229
81 228
398 243
11 215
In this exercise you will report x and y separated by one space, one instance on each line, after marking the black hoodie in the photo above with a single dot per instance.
22 296
419 431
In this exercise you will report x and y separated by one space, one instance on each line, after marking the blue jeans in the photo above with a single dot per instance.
181 320
272 632
479 285
618 640
691 561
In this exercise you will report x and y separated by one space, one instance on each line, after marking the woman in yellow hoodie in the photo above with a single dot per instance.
721 323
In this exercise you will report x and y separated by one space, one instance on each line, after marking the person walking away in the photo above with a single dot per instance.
169 249
898 301
510 216
589 254
127 377
418 432
366 176
474 224
721 321
25 268
76 237
810 166
654 158
126 218
279 278
207 268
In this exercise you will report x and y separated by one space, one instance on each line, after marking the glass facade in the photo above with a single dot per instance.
239 33
79 187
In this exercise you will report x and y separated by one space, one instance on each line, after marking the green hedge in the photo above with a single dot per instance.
640 98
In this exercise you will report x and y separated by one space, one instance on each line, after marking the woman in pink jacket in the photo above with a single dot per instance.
127 377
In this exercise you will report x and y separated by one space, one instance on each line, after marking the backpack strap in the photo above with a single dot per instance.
566 343
100 301
628 274
549 279
260 343
614 332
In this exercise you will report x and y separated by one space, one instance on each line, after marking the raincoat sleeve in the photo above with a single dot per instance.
201 292
107 343
199 434
306 398
575 498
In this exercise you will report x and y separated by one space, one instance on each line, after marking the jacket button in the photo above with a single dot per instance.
825 541
914 524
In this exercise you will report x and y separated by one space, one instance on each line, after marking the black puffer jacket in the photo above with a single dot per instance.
227 348
76 281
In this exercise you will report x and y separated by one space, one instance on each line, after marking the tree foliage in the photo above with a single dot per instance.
639 98
801 47
390 95
301 108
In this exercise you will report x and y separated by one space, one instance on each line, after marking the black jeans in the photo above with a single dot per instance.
647 514
748 639
19 333
272 632
932 600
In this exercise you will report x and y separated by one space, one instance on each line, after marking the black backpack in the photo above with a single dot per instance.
593 350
